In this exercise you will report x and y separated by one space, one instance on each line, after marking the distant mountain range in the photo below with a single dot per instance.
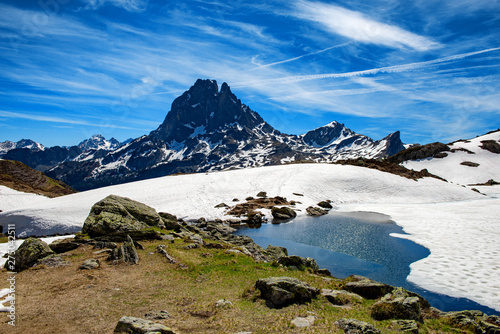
207 129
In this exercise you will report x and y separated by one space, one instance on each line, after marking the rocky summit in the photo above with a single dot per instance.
206 129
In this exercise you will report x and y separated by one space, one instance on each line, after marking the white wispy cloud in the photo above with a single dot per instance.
303 56
129 5
387 69
357 26
52 119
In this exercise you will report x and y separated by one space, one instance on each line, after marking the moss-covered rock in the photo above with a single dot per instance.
366 287
353 326
284 291
117 217
301 263
275 252
30 251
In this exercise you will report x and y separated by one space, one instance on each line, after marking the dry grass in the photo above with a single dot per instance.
69 300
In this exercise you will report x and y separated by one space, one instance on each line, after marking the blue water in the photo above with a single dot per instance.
357 245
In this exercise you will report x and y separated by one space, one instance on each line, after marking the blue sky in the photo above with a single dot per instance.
73 68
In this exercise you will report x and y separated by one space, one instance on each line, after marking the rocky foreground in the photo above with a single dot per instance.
202 278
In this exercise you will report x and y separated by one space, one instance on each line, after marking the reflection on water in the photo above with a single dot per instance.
356 243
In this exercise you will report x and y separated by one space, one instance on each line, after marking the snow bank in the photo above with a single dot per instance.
455 223
11 199
451 169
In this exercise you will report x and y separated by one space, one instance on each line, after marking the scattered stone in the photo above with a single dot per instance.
52 261
262 194
297 194
283 291
474 321
325 205
367 288
399 304
244 243
196 238
235 200
275 252
105 244
103 251
324 272
249 198
192 246
302 263
223 303
221 205
341 297
162 249
157 315
64 245
405 326
315 212
115 217
302 322
469 164
90 264
283 213
125 253
168 237
132 325
353 326
27 255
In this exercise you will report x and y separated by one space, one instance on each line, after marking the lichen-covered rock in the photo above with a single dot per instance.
52 261
284 291
132 325
405 326
90 264
30 251
474 321
125 253
353 326
301 263
170 221
283 213
315 211
303 322
117 217
399 304
367 288
275 252
64 245
341 297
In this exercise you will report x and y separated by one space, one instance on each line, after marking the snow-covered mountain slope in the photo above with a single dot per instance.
44 158
439 215
23 143
11 199
465 162
98 142
208 129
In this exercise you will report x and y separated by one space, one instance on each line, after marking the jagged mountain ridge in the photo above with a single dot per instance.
8 145
43 158
208 129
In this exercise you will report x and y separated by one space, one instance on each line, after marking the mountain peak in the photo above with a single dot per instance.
203 105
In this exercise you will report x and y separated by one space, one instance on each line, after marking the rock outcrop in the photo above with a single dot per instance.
132 325
283 213
283 291
298 262
399 304
115 217
126 253
341 297
353 326
367 288
315 211
29 253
